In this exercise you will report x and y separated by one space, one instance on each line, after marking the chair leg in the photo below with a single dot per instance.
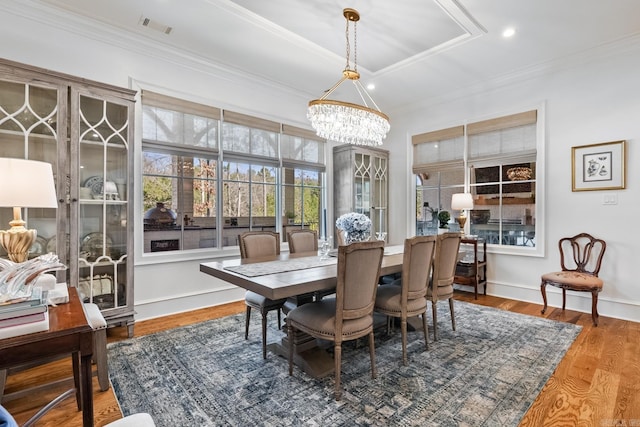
372 355
403 328
435 320
279 319
337 363
75 362
594 307
264 335
100 357
425 330
543 291
3 381
564 298
453 317
246 323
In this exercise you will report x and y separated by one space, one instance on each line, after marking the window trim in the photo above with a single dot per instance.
514 119
220 155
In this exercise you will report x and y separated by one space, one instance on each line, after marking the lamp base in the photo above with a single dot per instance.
462 220
17 241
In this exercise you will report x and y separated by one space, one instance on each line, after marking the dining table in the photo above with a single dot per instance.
289 276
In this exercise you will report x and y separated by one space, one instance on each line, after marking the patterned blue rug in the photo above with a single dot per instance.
486 373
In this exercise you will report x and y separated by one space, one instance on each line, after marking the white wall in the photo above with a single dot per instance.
589 99
586 99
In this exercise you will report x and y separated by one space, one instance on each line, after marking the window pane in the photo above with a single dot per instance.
434 196
302 199
505 204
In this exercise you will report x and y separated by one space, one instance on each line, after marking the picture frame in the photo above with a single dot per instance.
598 166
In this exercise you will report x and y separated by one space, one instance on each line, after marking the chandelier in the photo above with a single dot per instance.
346 122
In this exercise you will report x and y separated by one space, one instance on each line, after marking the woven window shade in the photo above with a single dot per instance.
153 99
438 150
503 137
249 121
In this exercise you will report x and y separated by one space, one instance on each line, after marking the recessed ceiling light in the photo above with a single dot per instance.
508 32
371 86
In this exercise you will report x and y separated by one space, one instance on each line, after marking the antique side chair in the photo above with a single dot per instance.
580 260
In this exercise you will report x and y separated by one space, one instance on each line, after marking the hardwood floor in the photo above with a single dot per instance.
597 383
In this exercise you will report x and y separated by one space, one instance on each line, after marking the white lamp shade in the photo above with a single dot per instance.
460 201
27 184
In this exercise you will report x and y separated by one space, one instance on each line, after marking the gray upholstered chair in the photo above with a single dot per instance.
444 269
257 244
407 297
580 260
349 315
302 240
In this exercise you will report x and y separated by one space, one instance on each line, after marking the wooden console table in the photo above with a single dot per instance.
69 333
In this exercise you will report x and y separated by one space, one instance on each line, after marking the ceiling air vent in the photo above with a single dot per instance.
154 25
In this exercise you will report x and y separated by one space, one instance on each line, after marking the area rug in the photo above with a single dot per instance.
487 373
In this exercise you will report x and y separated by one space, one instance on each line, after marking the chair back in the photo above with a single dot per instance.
582 253
302 240
416 266
255 244
444 265
358 272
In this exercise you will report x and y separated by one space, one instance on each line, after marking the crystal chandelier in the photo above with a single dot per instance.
346 122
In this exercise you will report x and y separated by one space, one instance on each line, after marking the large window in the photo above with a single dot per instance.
209 175
494 160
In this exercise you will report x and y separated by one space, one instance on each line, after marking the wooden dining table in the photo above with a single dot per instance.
308 277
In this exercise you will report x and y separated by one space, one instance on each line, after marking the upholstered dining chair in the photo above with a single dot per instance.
409 299
302 240
444 269
349 315
256 244
580 261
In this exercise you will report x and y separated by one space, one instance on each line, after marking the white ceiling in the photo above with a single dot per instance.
411 50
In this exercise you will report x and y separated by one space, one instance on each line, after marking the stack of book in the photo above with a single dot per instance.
24 316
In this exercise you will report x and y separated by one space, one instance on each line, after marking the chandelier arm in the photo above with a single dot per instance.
334 87
361 90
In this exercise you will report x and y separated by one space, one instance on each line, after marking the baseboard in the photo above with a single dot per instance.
577 301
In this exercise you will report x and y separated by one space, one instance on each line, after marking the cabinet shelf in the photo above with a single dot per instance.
506 201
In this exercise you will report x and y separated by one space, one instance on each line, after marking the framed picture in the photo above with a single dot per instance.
598 166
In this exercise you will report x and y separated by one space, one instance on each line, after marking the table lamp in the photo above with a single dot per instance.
24 184
461 202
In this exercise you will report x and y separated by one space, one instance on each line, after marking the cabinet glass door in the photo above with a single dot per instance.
102 175
29 129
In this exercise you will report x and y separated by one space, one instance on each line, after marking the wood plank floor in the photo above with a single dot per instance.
596 384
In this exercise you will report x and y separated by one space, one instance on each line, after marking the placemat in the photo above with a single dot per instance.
272 267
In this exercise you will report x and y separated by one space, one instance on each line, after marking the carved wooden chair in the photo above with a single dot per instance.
444 270
349 315
580 260
410 298
256 244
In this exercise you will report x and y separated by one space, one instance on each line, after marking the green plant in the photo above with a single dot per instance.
444 217
290 215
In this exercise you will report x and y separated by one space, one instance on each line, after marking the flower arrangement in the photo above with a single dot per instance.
356 227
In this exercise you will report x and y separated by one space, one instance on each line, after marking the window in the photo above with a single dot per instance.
495 160
209 175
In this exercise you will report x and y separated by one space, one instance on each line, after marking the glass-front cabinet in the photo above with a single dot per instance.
360 184
85 130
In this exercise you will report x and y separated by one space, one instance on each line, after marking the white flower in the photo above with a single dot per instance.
356 227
